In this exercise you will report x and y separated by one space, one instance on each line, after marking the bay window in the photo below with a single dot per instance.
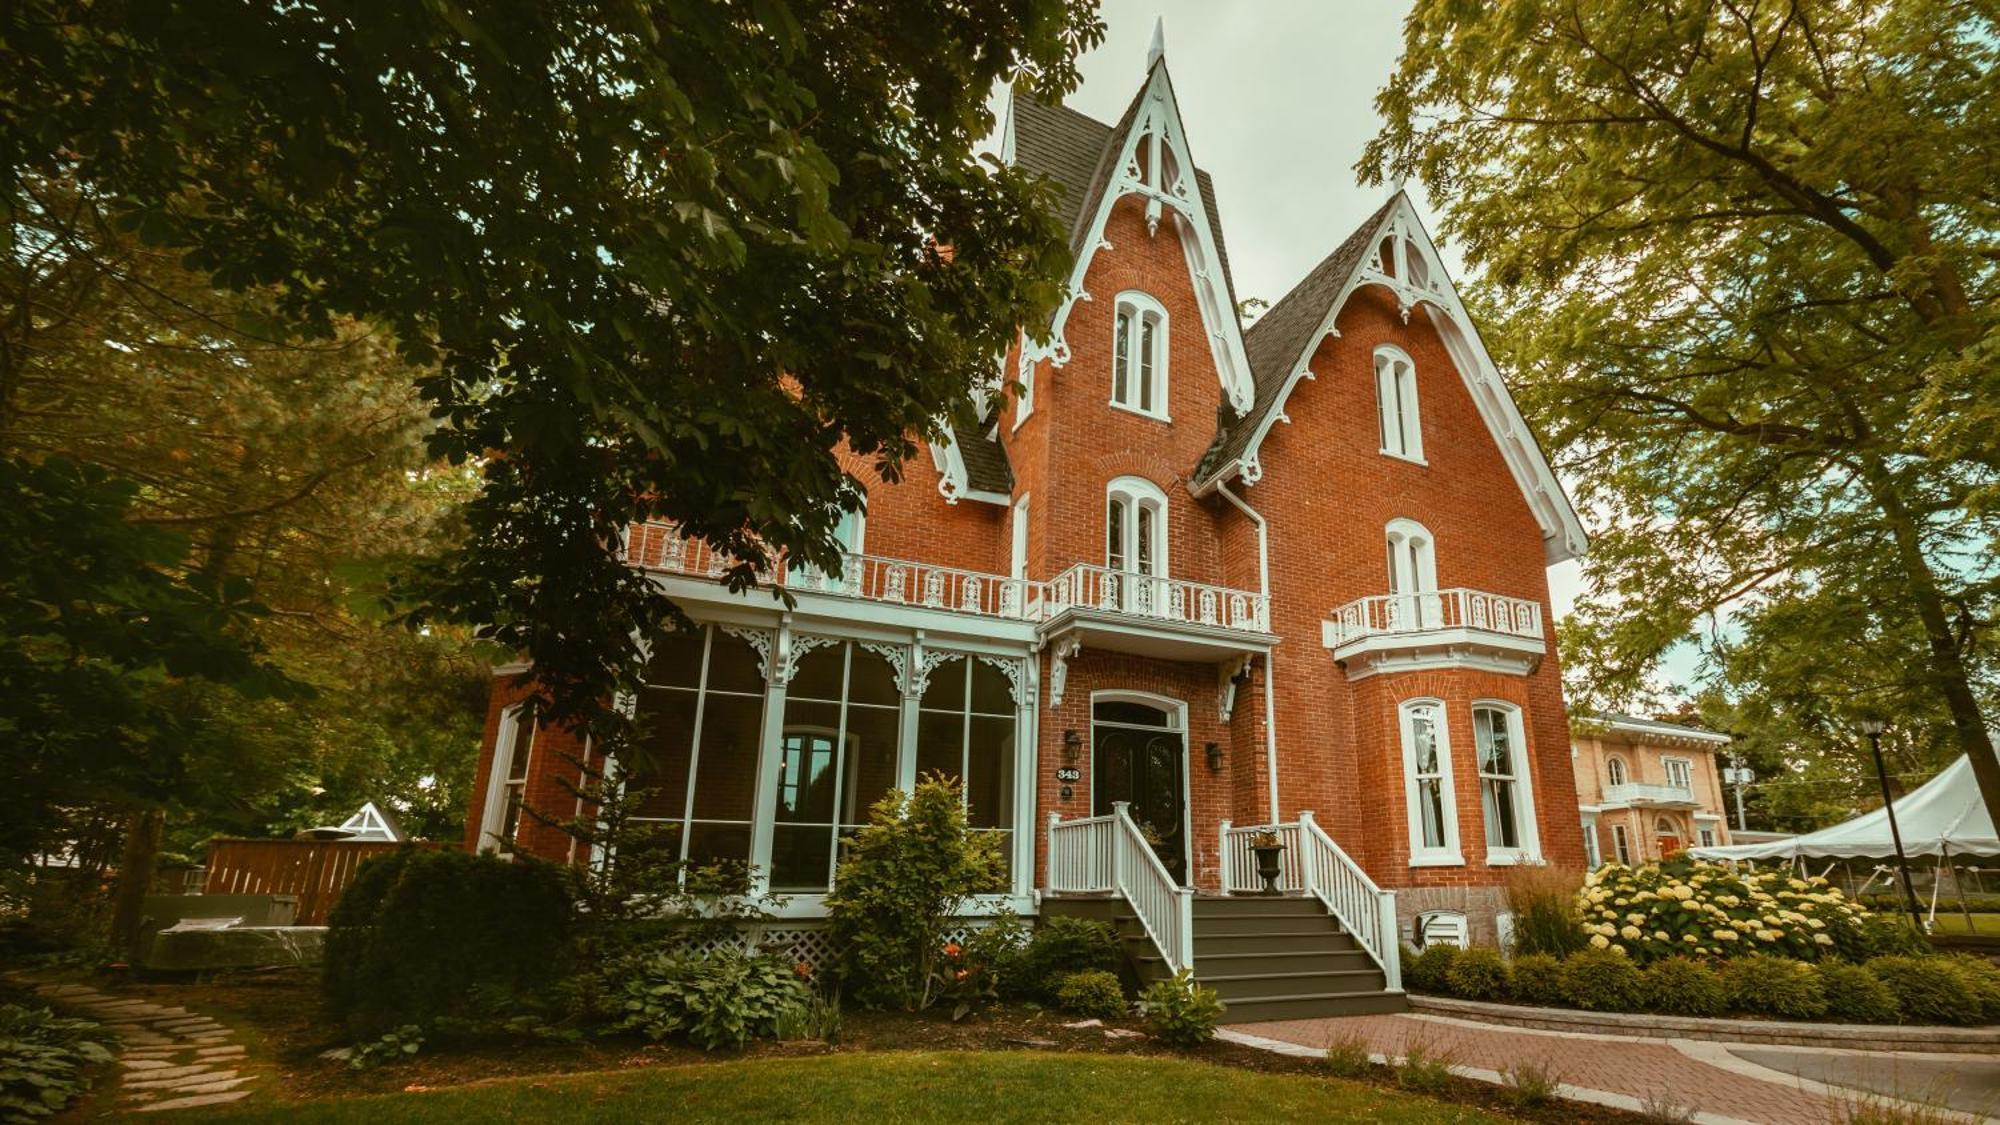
1505 796
1432 806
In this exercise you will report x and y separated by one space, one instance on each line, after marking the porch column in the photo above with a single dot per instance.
1027 794
764 807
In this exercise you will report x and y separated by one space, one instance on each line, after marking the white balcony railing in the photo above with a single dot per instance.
1090 587
1648 793
1396 614
661 547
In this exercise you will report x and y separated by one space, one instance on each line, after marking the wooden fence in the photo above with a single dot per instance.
315 870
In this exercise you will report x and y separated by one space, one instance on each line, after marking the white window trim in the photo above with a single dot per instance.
1024 402
1017 543
1141 305
1591 853
1666 765
1421 856
1412 427
1136 491
1530 850
494 815
1616 772
1621 844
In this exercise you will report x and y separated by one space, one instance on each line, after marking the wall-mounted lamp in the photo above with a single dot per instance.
1072 743
1214 756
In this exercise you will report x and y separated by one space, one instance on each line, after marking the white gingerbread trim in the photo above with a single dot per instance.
1016 671
763 640
1060 655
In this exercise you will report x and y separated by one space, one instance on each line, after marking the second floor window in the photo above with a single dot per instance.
1135 527
1139 355
1614 771
1396 403
1680 772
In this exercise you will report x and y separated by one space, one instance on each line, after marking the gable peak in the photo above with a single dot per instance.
1158 50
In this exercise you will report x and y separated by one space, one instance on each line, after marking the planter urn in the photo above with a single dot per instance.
1270 865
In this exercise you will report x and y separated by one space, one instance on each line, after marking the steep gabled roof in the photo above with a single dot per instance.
1077 152
1276 340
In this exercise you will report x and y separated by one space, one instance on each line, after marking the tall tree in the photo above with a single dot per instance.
664 254
1745 258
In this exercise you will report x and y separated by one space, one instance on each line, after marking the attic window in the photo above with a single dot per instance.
1396 404
1139 355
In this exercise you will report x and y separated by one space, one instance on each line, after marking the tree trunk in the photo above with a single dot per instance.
143 830
1947 658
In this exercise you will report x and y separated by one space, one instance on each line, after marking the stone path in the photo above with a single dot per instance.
1709 1082
168 1057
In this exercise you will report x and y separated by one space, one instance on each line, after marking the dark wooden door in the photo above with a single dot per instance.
1146 768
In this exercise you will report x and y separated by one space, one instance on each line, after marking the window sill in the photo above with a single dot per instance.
1405 457
1438 859
1154 415
1511 857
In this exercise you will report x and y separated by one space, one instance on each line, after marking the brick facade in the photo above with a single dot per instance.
1326 491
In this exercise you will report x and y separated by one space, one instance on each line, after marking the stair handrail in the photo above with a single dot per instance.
1165 908
1365 910
1082 854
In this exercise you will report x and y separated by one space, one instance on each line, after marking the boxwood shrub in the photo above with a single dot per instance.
1537 979
1982 978
1426 971
1928 989
1600 981
421 935
1855 995
1679 986
1478 973
1774 986
1093 992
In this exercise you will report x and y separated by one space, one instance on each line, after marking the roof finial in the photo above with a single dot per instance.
1159 46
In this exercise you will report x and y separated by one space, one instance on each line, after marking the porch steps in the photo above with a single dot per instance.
1268 958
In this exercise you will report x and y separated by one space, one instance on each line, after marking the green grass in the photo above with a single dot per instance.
1985 925
870 1089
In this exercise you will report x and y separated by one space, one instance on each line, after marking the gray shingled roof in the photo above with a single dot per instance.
1275 342
986 467
1077 151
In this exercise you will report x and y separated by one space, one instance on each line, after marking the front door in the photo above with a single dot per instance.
1140 756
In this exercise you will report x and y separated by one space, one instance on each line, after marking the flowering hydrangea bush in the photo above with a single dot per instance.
1683 907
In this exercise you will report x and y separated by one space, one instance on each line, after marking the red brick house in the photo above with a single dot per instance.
1195 578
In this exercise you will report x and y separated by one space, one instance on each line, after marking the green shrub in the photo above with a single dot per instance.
1928 989
1180 1012
1891 935
1426 971
1855 995
999 950
427 934
1536 978
1601 981
1982 978
1686 908
1092 992
43 1058
817 1017
1774 986
1543 901
722 1000
1064 945
1478 973
403 1043
898 893
1678 986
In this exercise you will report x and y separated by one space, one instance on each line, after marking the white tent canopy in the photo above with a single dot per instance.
1943 817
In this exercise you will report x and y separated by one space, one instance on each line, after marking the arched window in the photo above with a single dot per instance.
1614 770
1506 798
1432 807
1135 527
1412 576
1396 403
1139 355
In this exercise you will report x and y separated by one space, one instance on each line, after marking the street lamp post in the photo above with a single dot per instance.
1873 728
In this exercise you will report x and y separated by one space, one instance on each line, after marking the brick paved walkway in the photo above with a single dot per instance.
1703 1078
168 1057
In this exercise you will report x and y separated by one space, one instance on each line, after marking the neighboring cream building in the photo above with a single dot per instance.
1646 789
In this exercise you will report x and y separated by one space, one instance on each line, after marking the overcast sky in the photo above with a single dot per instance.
1279 99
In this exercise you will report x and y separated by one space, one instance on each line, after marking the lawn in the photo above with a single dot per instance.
1954 923
902 1086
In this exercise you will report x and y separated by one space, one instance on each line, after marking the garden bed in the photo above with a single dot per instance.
1848 1036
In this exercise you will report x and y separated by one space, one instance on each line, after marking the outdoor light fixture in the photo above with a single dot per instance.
1072 742
1214 756
1873 728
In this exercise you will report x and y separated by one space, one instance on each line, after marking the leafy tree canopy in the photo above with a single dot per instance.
1743 258
663 255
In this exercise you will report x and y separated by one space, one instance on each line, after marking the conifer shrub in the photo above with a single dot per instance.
1093 992
1479 973
1536 978
424 935
1982 979
1774 986
1855 995
1602 981
1425 971
1679 986
1928 989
